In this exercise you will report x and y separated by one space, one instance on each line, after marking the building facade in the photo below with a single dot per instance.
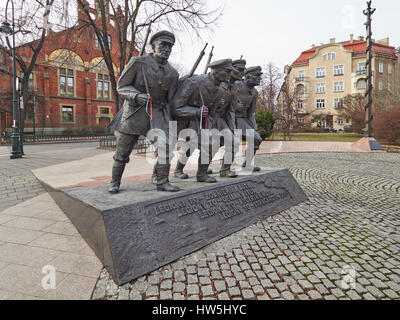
323 75
70 83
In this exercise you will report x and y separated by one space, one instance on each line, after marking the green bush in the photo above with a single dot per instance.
265 122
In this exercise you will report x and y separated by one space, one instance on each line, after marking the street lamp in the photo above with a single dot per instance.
7 29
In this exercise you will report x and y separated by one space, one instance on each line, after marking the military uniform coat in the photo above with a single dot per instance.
246 107
187 101
162 83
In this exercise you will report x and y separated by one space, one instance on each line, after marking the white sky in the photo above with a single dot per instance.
278 31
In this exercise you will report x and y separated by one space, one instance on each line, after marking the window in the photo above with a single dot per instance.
300 76
300 89
389 86
361 68
300 104
390 68
103 86
109 41
330 56
66 82
67 114
104 110
380 67
340 121
301 119
320 72
338 103
339 86
30 81
338 70
321 88
361 84
96 41
320 103
380 85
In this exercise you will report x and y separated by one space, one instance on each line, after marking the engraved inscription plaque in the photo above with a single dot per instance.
145 230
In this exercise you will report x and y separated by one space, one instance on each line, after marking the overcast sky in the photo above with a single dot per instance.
279 30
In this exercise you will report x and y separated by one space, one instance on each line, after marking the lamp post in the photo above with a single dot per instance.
15 136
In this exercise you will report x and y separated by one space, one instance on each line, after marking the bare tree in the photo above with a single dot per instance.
31 28
288 112
131 17
269 88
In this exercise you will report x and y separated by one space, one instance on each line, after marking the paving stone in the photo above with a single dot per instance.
204 280
207 291
306 284
248 294
193 278
179 276
314 295
375 292
179 287
223 296
273 293
192 289
234 291
274 277
220 286
165 294
166 284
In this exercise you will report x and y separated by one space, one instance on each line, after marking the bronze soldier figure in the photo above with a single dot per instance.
147 85
196 101
247 99
240 65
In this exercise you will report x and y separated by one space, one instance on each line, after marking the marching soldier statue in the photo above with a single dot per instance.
198 100
147 85
245 112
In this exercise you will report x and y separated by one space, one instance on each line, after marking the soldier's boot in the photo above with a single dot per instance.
162 179
202 175
226 172
178 173
255 169
154 176
117 171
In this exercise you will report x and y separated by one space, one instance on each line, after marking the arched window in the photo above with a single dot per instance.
361 84
300 89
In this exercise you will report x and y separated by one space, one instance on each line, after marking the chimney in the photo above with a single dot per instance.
351 38
361 38
81 14
333 40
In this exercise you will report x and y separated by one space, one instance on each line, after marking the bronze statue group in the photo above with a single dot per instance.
221 102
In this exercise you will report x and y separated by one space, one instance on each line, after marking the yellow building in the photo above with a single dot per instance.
323 75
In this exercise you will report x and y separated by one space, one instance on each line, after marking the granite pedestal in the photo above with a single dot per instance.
140 230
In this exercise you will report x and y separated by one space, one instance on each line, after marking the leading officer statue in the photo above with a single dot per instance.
147 85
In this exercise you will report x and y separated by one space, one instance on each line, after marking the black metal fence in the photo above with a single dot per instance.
31 138
142 146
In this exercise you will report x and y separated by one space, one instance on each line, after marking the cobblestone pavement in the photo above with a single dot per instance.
343 243
18 184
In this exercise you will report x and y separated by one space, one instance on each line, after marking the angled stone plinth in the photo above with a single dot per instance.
140 230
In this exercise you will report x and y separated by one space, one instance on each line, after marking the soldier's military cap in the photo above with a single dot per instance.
221 64
256 70
239 64
163 36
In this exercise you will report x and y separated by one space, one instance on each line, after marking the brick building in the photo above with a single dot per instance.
70 81
323 75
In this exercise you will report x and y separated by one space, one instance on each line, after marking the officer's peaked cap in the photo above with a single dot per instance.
221 64
163 36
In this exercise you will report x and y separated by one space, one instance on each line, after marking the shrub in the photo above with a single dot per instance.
265 122
386 125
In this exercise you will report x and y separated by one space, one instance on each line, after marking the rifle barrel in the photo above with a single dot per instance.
209 60
196 64
145 41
